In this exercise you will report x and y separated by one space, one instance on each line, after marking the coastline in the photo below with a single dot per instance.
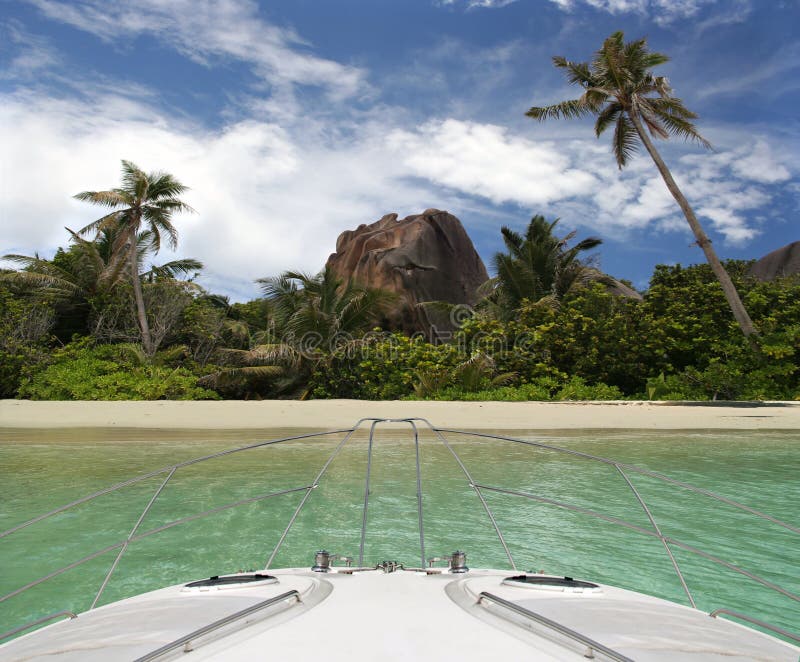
325 414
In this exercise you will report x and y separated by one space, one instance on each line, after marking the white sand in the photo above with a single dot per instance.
327 414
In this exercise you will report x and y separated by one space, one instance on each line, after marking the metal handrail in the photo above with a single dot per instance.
130 537
756 621
366 494
419 496
151 474
660 535
476 487
314 485
478 492
187 639
558 627
647 532
146 534
38 621
630 467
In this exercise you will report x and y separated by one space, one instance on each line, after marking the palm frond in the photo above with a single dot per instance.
103 198
173 270
163 185
134 353
579 73
626 140
488 288
563 110
675 118
58 287
107 222
607 117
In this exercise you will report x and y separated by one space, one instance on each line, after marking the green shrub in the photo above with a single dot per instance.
81 371
542 389
381 367
577 389
24 337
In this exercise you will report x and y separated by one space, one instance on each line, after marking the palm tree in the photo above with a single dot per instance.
311 317
539 265
79 272
322 306
82 279
92 267
620 90
147 199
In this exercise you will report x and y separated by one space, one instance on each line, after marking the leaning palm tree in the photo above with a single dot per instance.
148 199
621 91
538 265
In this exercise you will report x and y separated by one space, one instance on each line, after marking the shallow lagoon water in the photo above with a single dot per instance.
42 469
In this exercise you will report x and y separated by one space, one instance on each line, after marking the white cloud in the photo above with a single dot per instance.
754 161
662 11
210 29
486 160
473 4
728 223
34 53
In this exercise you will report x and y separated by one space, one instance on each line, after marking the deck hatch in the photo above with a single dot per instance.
545 581
230 581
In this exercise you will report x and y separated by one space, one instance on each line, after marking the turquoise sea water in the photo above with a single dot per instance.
40 470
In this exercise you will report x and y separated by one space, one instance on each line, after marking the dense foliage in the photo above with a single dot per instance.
550 328
680 342
85 371
538 265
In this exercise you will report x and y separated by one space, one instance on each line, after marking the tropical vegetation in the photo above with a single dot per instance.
539 266
550 328
148 199
619 88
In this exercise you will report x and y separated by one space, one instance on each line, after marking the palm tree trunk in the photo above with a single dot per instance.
147 341
734 301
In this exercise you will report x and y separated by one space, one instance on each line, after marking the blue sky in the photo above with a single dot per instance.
294 120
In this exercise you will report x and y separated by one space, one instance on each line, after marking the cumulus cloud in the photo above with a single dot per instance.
487 160
206 30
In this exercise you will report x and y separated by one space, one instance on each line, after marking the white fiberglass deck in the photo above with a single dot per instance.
400 615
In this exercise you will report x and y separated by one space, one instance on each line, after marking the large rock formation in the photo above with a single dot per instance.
777 264
422 258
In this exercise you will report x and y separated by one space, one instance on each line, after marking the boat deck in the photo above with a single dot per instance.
400 615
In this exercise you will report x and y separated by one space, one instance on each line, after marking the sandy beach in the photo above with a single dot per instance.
344 413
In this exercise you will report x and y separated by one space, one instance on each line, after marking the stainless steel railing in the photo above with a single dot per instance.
756 621
186 640
39 621
591 644
442 435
